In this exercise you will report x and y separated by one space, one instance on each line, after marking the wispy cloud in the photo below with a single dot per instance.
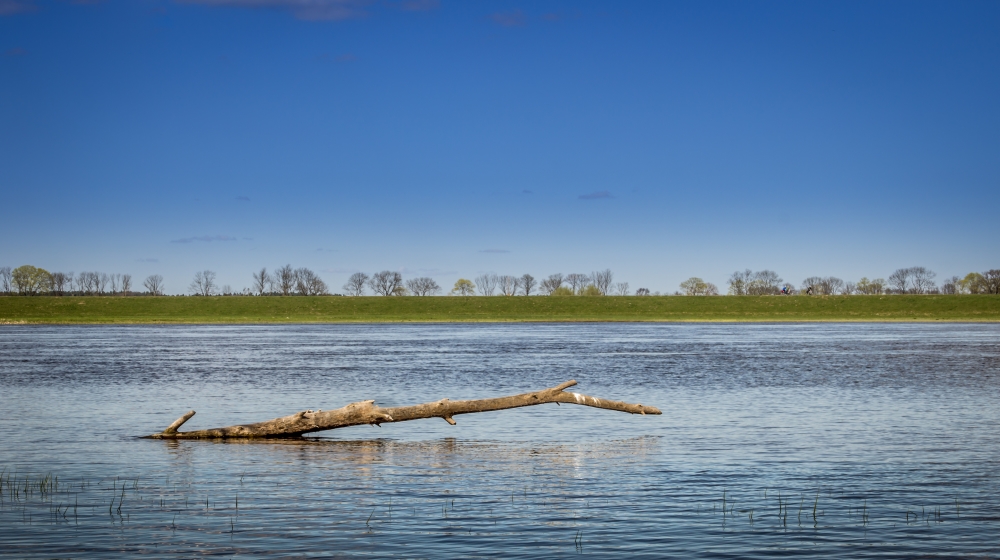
243 198
204 238
346 58
596 195
509 19
310 10
525 191
11 7
148 260
494 251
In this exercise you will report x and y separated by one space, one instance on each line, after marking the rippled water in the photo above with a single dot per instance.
825 440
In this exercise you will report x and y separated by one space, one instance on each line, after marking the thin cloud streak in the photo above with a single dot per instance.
596 195
204 238
12 7
309 10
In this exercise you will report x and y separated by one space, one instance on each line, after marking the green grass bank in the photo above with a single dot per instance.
331 309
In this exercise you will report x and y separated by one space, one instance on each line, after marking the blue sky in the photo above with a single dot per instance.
662 140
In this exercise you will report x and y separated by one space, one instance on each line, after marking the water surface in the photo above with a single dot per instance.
852 440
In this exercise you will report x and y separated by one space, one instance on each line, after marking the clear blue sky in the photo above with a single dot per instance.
662 140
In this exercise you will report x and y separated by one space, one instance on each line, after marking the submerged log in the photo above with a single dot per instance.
365 412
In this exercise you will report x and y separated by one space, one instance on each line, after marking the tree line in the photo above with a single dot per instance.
285 281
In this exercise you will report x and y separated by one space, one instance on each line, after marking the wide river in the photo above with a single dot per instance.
821 440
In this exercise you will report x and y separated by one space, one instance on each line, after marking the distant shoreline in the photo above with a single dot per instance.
497 309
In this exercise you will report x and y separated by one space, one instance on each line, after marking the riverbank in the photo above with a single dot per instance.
332 309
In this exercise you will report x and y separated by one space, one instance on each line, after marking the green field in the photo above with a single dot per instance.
332 309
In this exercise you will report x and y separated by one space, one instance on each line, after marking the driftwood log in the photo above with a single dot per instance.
365 412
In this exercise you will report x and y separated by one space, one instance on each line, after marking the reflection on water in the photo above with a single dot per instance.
822 440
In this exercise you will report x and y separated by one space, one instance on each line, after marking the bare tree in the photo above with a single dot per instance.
642 292
308 283
991 281
923 280
487 283
913 280
509 285
126 283
386 283
821 286
739 283
227 290
764 283
261 281
102 282
423 286
551 284
602 280
952 286
59 281
153 284
284 279
620 288
355 285
849 288
115 280
577 281
5 279
203 283
528 284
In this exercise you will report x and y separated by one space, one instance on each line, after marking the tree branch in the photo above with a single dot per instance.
365 412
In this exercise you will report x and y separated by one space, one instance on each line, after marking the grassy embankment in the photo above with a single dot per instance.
329 309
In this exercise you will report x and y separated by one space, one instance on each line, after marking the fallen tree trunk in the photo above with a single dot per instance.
365 412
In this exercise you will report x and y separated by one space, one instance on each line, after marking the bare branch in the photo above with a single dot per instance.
366 412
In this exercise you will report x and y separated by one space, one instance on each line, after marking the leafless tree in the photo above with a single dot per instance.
261 281
203 283
764 283
923 280
527 283
154 284
423 286
59 281
952 286
509 285
386 283
913 280
821 286
355 285
577 281
899 281
102 282
308 283
602 280
126 284
284 279
642 292
88 282
620 288
115 280
991 281
227 290
487 283
849 288
739 282
5 279
551 284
